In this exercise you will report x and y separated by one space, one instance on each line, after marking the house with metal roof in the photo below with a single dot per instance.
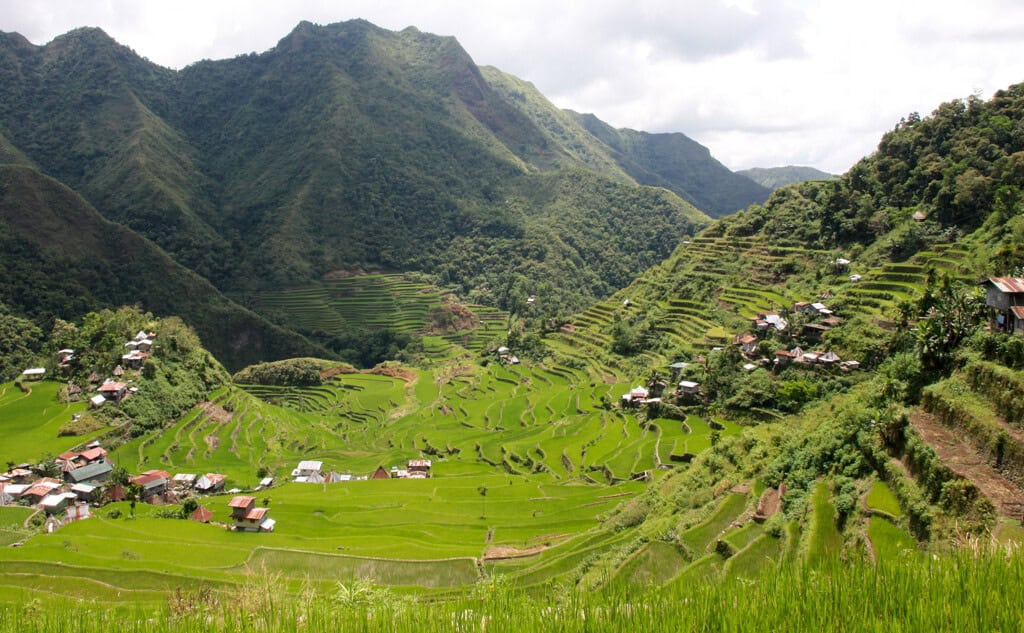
96 472
249 518
1005 295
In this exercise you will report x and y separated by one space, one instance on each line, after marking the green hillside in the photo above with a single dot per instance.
345 146
62 259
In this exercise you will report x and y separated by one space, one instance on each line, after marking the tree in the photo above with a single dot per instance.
955 312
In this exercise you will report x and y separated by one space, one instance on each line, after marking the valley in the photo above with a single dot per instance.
386 339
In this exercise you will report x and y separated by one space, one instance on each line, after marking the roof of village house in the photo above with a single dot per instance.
67 455
688 384
89 471
215 478
829 357
419 463
97 400
84 488
256 514
310 464
34 371
1010 285
1018 311
112 387
93 454
783 352
150 477
201 514
241 502
638 391
40 489
747 338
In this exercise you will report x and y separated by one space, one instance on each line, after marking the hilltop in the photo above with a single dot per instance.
351 147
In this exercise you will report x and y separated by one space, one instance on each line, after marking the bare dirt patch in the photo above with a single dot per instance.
451 317
741 489
446 410
965 460
216 412
502 552
408 375
331 372
769 504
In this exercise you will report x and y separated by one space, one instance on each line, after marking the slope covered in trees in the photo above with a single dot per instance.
349 146
62 259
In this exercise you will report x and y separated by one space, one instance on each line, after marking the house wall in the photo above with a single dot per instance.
996 298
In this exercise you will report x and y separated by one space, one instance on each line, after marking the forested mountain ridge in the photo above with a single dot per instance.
349 146
62 259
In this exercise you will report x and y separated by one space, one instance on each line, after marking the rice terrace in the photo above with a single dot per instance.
355 334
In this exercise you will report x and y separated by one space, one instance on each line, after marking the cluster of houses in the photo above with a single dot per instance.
85 480
63 499
311 472
414 469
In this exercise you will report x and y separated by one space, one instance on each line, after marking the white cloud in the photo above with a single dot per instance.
760 82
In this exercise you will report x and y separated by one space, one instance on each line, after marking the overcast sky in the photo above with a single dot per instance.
761 83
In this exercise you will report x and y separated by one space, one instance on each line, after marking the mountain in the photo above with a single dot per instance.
348 146
61 258
775 177
672 161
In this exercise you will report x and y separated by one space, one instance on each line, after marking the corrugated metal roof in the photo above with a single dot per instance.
241 502
1018 311
1011 285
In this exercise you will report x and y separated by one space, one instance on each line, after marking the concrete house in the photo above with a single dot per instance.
247 517
1005 295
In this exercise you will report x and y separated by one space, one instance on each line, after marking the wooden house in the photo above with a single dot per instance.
1005 296
112 390
380 473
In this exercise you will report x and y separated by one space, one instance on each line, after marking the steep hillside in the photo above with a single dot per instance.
62 259
679 164
346 146
775 177
762 312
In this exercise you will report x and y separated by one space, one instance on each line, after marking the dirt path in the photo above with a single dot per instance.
965 461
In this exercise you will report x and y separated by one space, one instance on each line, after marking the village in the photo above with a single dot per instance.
76 482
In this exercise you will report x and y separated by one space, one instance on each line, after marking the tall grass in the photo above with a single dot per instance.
963 592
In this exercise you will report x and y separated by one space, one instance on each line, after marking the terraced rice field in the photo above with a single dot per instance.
378 301
29 423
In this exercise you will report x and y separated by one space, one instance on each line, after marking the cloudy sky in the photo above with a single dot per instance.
760 82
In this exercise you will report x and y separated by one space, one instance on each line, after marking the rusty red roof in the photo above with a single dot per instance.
1018 311
113 387
201 514
241 502
1011 285
256 514
93 453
